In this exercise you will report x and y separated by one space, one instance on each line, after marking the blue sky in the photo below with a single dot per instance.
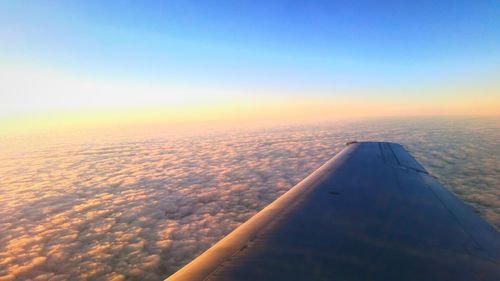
278 45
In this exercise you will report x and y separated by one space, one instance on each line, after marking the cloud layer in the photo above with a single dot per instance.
139 210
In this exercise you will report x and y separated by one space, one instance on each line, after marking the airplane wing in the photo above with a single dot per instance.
370 213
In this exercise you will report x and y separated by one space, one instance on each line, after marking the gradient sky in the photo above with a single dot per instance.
95 55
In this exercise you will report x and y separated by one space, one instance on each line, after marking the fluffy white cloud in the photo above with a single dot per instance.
139 210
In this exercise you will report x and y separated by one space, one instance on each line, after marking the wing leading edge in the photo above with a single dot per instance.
370 213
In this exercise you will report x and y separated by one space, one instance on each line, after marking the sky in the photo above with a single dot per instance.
215 60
